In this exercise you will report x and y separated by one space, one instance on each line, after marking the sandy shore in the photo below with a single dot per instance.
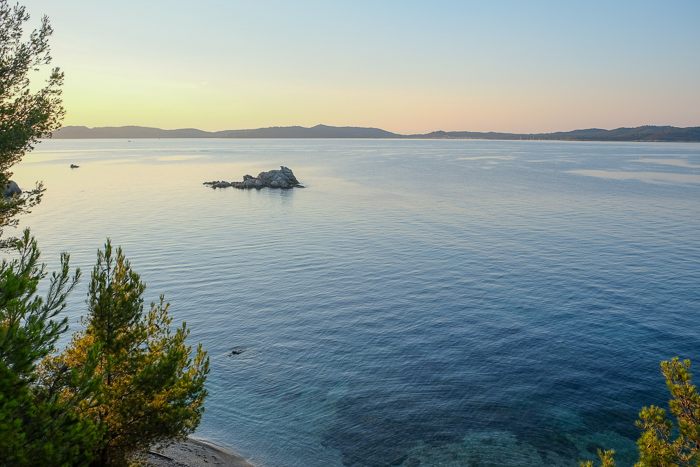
195 453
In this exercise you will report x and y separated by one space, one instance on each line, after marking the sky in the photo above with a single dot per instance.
403 66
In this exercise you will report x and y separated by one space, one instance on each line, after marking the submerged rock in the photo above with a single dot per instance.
283 178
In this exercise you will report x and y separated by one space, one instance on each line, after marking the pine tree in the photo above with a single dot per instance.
657 445
152 390
38 425
606 459
26 114
128 381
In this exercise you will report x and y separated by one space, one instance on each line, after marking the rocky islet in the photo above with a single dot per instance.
283 178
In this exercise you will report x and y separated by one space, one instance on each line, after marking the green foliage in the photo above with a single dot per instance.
657 445
606 459
38 425
152 390
127 381
25 114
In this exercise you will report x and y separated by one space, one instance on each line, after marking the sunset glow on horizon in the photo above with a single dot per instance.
406 67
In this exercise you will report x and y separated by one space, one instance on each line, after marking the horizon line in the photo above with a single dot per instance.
322 125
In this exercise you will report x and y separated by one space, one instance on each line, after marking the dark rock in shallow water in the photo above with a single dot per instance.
12 189
283 178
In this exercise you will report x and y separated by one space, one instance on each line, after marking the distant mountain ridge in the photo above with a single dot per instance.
134 132
642 133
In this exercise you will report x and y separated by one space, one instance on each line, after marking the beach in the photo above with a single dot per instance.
195 453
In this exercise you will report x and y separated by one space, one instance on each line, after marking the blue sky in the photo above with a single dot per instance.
409 67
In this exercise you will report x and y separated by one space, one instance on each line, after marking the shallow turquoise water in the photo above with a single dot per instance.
418 303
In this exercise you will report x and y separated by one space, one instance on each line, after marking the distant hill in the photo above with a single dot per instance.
134 132
642 133
126 132
319 131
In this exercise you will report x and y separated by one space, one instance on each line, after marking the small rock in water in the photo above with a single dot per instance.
283 178
12 189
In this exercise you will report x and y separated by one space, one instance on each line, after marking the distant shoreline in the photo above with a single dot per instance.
666 134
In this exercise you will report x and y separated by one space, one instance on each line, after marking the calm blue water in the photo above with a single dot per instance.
419 303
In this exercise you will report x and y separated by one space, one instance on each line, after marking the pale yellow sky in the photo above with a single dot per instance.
407 67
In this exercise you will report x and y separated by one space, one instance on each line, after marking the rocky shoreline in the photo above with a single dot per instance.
283 178
194 453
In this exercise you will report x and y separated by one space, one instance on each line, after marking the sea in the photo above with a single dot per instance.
417 303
